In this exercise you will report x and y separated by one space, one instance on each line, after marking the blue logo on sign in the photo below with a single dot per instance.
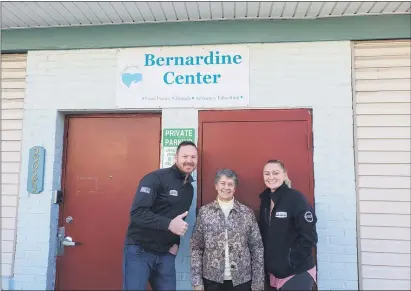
131 76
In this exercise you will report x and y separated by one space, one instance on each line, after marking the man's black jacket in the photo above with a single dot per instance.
160 197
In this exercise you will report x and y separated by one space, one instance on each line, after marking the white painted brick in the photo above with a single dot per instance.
345 274
19 269
330 249
351 285
343 258
331 233
350 250
34 259
31 278
20 255
341 241
332 284
323 257
25 221
5 283
17 285
34 235
33 285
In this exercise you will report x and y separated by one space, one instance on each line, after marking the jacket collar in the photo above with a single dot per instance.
236 205
277 193
181 175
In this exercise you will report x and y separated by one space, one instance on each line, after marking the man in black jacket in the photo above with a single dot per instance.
160 206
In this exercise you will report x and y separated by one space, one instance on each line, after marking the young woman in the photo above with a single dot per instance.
288 228
226 247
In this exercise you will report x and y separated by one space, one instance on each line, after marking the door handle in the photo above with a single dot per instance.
68 242
64 241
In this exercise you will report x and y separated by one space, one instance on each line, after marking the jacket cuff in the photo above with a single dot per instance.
164 223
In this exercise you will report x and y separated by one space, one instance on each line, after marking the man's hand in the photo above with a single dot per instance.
173 250
198 287
178 226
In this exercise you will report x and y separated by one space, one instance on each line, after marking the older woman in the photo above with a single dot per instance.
226 246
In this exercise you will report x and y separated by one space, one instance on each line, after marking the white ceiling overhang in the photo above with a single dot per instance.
80 13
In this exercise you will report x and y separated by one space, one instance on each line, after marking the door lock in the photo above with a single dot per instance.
69 219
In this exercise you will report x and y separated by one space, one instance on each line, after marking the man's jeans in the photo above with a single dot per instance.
141 267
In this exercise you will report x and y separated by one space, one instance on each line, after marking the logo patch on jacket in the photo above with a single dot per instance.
281 214
173 192
145 190
309 216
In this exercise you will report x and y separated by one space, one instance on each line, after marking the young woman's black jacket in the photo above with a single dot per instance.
291 235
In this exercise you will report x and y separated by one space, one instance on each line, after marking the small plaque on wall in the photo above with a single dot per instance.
35 178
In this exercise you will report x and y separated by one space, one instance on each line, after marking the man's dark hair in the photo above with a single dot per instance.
185 143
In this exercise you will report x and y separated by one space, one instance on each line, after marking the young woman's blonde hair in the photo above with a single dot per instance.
287 180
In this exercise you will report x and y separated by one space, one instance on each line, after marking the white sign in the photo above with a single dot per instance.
168 156
195 76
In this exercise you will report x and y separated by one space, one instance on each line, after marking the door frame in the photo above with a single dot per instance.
256 115
67 119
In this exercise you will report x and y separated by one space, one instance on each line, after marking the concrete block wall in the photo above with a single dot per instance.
289 75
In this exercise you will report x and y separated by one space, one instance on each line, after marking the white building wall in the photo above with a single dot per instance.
13 85
383 145
289 75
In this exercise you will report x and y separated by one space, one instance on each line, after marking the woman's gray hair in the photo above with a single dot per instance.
228 173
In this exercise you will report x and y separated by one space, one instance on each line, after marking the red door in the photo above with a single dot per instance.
105 157
244 140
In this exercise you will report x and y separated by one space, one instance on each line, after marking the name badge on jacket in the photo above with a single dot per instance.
281 214
173 192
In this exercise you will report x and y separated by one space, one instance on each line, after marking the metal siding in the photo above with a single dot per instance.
71 13
13 79
383 100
